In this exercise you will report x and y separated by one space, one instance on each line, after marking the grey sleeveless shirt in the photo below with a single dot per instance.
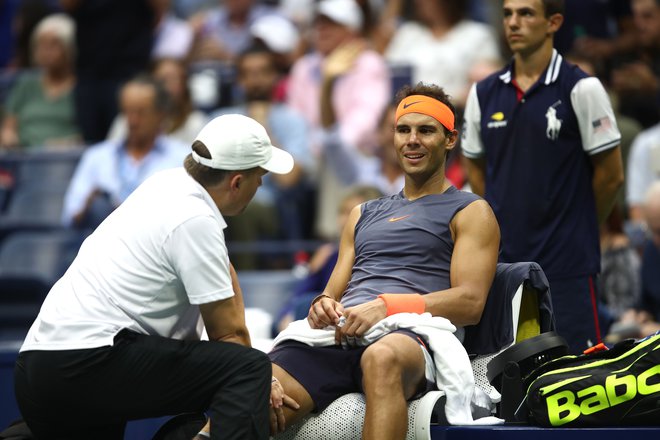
404 246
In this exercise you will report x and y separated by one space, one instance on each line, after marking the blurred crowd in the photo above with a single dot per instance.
131 82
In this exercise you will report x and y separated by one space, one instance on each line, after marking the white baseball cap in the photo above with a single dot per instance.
237 142
279 34
344 12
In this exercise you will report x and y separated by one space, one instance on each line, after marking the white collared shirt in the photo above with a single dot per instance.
147 267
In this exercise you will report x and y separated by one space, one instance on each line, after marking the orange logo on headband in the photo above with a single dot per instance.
426 106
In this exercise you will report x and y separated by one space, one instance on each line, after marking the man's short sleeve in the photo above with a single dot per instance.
198 253
471 143
595 116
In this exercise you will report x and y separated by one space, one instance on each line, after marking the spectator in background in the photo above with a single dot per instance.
182 120
25 15
381 170
596 29
279 207
636 76
386 16
646 15
40 110
325 257
281 36
650 300
173 36
637 85
645 318
643 170
114 39
439 43
109 172
222 32
619 281
341 89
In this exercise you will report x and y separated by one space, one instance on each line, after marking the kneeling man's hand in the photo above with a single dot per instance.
278 400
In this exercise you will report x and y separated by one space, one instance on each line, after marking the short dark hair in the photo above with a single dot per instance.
161 99
256 48
456 10
205 176
552 7
430 90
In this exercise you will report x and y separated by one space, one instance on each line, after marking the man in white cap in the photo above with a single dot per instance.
118 336
342 89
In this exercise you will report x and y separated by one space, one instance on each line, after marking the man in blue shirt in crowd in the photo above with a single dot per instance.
109 171
543 150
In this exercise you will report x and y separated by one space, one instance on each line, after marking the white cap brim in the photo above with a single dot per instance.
280 162
238 142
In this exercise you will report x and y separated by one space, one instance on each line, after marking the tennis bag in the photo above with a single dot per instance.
615 387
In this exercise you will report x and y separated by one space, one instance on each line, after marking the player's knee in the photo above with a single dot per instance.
381 361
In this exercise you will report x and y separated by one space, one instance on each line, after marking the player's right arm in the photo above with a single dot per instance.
327 309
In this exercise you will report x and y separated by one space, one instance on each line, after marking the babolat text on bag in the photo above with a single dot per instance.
616 387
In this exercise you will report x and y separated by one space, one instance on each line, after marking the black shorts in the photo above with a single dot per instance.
327 372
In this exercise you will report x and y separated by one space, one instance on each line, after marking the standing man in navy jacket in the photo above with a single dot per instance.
543 149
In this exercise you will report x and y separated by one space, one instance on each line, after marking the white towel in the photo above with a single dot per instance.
453 371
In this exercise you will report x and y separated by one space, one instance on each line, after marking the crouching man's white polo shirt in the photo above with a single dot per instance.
147 267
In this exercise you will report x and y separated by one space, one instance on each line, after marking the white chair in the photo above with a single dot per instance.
343 418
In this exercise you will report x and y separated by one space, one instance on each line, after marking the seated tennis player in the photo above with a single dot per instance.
430 248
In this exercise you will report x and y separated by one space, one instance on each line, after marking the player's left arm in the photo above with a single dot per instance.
473 264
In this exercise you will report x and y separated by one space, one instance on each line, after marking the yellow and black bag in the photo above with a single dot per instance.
615 387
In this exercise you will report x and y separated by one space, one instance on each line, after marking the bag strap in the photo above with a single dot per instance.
617 350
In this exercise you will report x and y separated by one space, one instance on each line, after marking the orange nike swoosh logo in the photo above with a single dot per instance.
396 219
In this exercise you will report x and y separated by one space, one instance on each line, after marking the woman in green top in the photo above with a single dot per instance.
39 111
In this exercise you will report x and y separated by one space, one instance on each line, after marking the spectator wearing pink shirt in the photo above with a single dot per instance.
342 89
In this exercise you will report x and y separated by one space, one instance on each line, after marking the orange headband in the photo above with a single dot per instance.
426 106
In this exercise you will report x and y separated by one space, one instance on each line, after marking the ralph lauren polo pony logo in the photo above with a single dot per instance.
554 123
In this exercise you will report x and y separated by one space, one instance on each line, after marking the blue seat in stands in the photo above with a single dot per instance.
30 263
32 209
47 169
